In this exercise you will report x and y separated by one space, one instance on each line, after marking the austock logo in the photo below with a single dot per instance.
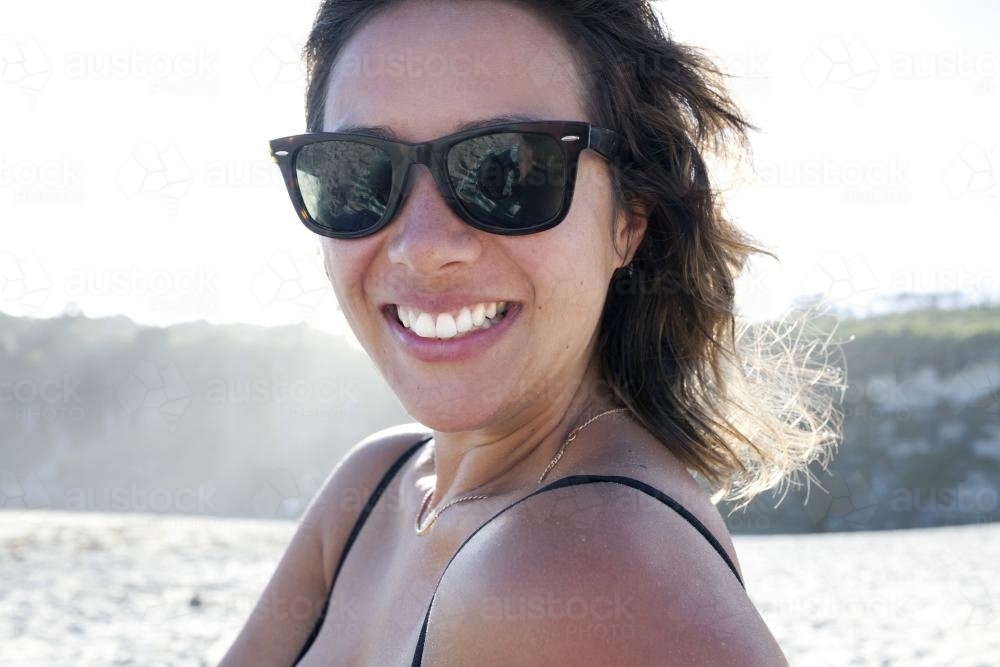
24 64
754 296
150 388
976 386
296 282
409 609
150 170
973 605
278 63
970 599
973 173
155 606
697 606
47 400
850 499
754 517
580 503
182 74
176 291
961 64
24 496
552 64
43 182
284 496
23 282
842 282
836 62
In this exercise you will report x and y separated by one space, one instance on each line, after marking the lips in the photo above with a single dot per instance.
420 342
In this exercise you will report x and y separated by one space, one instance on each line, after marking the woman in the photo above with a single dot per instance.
572 360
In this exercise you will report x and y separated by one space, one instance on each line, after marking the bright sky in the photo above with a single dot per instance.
134 175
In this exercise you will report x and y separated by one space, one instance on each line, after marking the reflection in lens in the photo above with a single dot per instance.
345 186
509 179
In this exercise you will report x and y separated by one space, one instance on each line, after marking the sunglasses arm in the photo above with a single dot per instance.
606 142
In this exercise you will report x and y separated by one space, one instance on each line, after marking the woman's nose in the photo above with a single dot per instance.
427 236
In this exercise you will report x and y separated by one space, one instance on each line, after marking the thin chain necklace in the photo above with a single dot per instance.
436 513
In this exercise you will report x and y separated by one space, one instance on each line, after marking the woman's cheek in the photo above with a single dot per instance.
345 266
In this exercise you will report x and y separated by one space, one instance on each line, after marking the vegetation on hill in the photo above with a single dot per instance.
104 414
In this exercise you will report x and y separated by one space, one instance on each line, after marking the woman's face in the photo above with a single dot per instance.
421 69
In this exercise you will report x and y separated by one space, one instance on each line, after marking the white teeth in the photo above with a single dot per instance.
464 321
448 325
479 314
424 326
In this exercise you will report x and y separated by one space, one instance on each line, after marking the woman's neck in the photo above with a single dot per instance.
511 455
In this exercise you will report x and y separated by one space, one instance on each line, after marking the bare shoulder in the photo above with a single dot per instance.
305 570
598 577
370 458
347 488
385 444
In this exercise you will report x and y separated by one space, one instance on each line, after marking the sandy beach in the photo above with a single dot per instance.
153 590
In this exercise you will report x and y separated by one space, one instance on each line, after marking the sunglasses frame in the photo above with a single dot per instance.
572 137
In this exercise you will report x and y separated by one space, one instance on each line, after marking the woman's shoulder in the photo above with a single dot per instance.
655 508
375 454
306 569
617 576
367 461
643 487
355 478
633 493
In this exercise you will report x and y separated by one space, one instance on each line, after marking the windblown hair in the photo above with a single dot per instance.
744 406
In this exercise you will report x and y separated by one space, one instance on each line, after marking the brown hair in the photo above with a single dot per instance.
746 407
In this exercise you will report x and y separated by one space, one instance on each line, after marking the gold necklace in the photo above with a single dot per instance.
436 513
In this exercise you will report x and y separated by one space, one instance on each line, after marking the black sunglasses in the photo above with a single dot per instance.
511 178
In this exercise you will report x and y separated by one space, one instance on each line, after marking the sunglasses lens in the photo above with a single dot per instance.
511 181
345 186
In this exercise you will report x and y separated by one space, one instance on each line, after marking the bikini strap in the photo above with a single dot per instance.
362 517
575 480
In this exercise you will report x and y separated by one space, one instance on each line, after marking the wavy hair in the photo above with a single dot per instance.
745 406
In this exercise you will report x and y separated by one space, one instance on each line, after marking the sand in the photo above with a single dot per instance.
139 589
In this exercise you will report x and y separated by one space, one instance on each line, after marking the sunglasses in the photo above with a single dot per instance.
510 178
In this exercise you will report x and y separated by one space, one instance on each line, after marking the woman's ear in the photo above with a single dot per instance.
632 229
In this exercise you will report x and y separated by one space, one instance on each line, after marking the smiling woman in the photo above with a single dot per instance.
565 276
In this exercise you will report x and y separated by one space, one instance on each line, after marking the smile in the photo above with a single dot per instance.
475 317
